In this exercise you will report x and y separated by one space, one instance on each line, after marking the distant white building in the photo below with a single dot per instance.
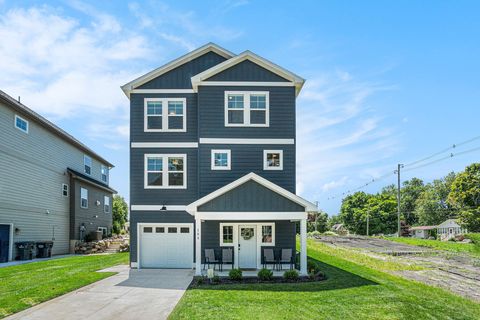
340 229
421 232
449 229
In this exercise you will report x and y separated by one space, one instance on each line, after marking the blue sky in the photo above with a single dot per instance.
386 82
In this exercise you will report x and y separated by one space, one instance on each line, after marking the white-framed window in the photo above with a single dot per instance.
267 234
106 204
247 109
221 160
21 124
272 159
165 115
87 164
104 172
104 230
83 198
226 234
64 189
165 171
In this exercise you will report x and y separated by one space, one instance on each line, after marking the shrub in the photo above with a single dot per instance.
314 234
235 274
312 266
330 233
290 275
474 237
215 279
200 280
265 274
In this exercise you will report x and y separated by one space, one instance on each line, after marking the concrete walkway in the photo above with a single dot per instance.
131 294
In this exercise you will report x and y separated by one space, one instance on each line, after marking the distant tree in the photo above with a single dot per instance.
321 218
332 221
465 196
352 211
119 213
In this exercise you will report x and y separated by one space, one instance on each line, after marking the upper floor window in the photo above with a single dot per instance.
87 164
83 198
105 174
164 171
106 204
221 160
165 115
246 109
272 159
21 124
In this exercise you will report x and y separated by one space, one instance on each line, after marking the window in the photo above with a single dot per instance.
272 159
165 114
147 229
172 230
246 109
64 190
106 204
105 174
87 164
184 230
226 235
83 198
21 124
164 171
221 160
160 230
104 231
268 234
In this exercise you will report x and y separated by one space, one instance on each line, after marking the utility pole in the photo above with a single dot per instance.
368 218
398 196
316 216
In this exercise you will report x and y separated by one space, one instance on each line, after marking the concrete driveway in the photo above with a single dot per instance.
131 294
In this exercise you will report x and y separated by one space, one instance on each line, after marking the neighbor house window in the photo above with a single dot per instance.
64 190
21 124
221 160
226 235
105 174
106 204
83 198
87 164
104 230
272 159
268 231
165 114
246 109
165 171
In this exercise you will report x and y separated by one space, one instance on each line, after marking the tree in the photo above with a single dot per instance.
321 218
409 193
119 213
465 196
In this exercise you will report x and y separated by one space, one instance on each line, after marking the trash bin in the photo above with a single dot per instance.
44 249
25 250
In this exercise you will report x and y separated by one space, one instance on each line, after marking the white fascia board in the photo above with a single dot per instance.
174 64
236 216
161 91
192 208
164 144
247 83
139 207
245 141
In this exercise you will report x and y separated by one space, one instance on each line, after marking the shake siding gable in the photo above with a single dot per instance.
247 71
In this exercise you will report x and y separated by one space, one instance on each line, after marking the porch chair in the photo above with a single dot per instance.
227 258
210 259
269 258
286 258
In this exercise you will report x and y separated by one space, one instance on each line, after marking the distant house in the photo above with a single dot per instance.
52 186
422 232
450 229
340 229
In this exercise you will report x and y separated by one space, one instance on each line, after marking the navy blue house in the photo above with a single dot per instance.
212 161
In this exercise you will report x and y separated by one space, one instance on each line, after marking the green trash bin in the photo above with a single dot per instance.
44 249
25 250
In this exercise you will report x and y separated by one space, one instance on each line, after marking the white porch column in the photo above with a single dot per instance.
303 247
198 247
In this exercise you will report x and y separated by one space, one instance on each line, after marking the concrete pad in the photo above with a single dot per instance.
130 294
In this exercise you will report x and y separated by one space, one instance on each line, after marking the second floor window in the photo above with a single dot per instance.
21 124
105 174
247 109
272 159
87 164
221 160
165 115
163 171
83 198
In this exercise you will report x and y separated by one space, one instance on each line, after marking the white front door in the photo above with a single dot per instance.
247 246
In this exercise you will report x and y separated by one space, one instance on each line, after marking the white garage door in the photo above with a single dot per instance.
166 246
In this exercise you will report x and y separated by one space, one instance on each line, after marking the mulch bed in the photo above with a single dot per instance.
205 282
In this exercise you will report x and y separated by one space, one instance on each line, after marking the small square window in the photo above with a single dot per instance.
65 190
147 229
172 230
273 160
160 230
221 160
184 230
21 124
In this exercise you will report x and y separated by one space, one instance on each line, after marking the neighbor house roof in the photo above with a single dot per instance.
24 110
83 177
423 228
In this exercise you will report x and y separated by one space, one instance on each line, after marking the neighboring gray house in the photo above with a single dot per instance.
52 187
212 161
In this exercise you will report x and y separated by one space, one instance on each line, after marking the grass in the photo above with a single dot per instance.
355 289
29 284
469 248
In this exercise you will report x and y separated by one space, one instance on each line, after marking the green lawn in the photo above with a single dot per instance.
26 285
355 289
470 248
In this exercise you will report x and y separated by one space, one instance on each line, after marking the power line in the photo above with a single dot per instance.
451 155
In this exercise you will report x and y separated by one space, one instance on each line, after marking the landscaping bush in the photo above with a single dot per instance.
314 234
235 274
290 275
265 274
330 233
474 237
215 279
312 266
200 280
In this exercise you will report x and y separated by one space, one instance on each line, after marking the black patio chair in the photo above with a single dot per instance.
210 259
227 258
286 258
269 258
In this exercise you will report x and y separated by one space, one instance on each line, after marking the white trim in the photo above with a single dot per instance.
303 247
229 159
164 114
234 233
238 216
127 88
260 234
10 241
245 141
141 207
63 189
23 119
200 78
192 208
265 165
85 157
165 170
246 83
198 247
164 144
246 109
133 264
146 91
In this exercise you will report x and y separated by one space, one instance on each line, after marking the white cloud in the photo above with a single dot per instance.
334 184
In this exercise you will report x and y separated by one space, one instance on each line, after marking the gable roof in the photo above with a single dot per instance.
127 88
192 208
26 111
248 55
448 222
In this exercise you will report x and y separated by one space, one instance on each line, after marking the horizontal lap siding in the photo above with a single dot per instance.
247 71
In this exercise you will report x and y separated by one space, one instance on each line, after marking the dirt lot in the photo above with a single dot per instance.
459 273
